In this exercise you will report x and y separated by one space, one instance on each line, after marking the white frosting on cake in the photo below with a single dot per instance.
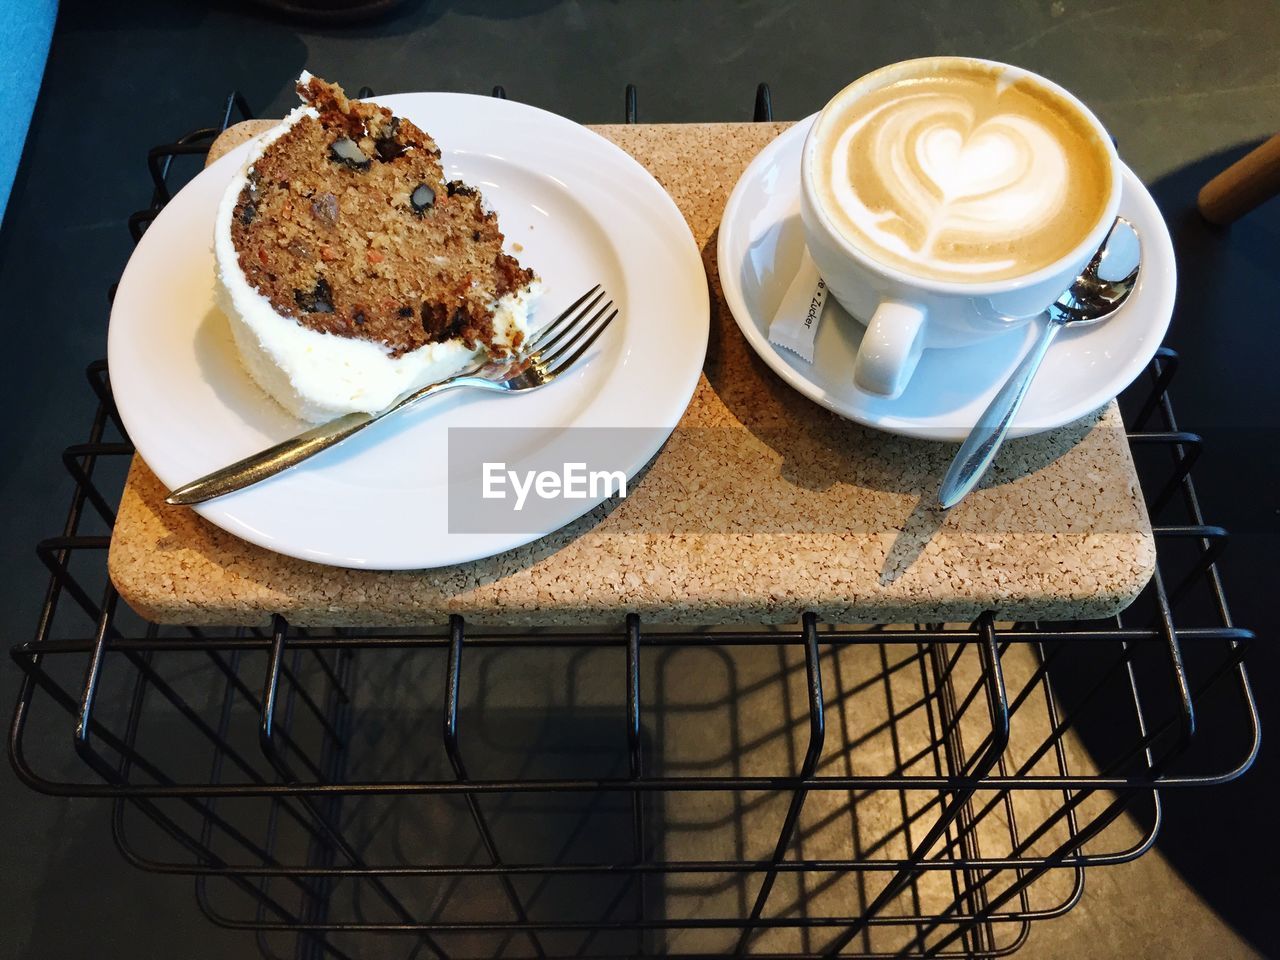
318 376
1005 176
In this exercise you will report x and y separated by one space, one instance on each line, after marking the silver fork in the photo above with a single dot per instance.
549 353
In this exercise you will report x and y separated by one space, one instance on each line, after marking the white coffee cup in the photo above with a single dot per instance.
905 314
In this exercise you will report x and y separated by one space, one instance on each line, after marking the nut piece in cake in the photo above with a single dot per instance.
350 270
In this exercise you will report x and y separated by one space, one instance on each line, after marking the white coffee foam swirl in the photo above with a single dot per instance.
949 177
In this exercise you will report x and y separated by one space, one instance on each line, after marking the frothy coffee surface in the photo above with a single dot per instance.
962 174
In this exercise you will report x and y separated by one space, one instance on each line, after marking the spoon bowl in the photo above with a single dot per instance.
1105 283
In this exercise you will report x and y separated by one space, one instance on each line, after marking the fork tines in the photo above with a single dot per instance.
566 338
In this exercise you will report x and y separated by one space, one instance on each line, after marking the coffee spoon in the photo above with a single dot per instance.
1095 295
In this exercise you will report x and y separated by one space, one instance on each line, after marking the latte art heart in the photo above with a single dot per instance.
963 164
962 176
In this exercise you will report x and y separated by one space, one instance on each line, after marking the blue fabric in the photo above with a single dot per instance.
26 27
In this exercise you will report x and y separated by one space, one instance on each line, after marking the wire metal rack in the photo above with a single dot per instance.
812 791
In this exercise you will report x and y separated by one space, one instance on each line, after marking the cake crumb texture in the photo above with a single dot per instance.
347 224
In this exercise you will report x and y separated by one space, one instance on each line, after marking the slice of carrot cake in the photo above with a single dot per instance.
350 270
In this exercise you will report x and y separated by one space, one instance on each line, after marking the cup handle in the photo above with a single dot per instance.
890 348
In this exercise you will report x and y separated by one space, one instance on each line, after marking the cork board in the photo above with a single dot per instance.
761 506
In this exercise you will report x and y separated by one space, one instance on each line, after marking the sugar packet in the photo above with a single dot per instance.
795 325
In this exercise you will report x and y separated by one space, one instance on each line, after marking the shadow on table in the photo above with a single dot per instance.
1224 328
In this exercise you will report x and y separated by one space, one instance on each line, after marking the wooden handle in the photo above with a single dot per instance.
1250 181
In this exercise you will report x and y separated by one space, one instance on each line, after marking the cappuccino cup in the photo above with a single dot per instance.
948 199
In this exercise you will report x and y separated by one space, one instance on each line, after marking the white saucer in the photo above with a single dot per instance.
581 211
761 241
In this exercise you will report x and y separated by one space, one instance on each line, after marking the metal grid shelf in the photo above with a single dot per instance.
820 790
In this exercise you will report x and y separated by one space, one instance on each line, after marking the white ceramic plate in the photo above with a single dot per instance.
583 211
761 241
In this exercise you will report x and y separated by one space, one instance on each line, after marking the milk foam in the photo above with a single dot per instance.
960 177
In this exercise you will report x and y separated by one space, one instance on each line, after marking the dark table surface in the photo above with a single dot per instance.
1185 88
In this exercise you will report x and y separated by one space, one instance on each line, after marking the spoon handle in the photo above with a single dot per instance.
983 443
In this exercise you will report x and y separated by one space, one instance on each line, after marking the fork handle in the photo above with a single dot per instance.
289 453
